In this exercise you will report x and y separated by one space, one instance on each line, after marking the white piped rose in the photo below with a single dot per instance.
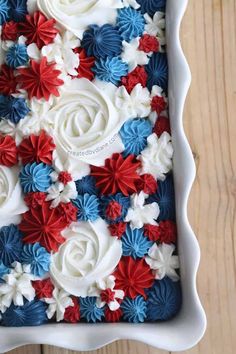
76 15
88 255
85 125
11 198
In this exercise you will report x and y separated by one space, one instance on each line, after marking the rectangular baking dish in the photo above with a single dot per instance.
188 327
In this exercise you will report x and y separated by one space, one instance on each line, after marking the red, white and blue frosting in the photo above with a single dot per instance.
87 210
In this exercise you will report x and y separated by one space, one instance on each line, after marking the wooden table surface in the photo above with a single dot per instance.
208 37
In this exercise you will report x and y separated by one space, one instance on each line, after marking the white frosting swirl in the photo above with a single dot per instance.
84 123
76 15
11 198
88 255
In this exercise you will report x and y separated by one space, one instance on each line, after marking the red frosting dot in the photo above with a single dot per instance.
43 288
65 177
162 125
117 230
8 151
168 231
158 104
68 212
152 232
10 31
147 183
113 210
137 76
149 43
72 313
107 295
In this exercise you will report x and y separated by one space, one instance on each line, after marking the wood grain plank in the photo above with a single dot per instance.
27 349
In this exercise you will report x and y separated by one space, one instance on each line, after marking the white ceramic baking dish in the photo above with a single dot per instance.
188 327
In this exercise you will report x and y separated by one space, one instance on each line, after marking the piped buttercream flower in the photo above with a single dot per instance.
87 207
134 310
137 76
86 64
10 244
58 303
35 177
17 56
4 11
110 69
156 158
132 55
141 213
43 288
40 80
10 31
72 313
37 257
13 108
134 243
118 175
157 70
8 151
8 81
114 207
151 6
107 294
89 309
86 184
149 44
162 261
18 10
130 23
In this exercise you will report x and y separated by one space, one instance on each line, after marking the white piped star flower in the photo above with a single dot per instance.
161 260
140 214
156 26
58 303
132 55
107 294
132 3
17 286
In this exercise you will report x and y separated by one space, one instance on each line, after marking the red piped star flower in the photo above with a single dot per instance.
43 288
72 313
162 125
158 104
44 225
113 210
38 29
37 148
113 316
65 177
148 43
40 80
8 151
168 231
147 183
137 76
85 64
68 212
8 81
133 277
117 230
118 175
10 31
35 199
152 232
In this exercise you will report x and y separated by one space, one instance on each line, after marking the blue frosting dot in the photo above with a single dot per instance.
17 56
86 185
88 207
164 300
4 11
134 134
157 70
30 314
119 198
89 309
37 257
3 271
13 108
35 177
18 10
102 42
110 69
165 197
151 6
134 311
10 245
134 243
131 23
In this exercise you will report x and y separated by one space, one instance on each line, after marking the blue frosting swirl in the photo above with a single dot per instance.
37 257
119 198
134 243
134 134
17 55
134 311
4 11
30 314
13 108
18 10
165 197
89 309
157 70
164 300
130 23
102 42
110 69
3 271
151 6
88 207
10 244
35 177
86 185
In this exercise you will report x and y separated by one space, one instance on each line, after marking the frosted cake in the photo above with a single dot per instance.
87 210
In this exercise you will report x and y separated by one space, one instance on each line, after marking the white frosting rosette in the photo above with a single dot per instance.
88 255
77 15
11 198
85 124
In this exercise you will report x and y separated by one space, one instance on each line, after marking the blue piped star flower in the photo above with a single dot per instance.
18 10
151 6
110 69
35 177
37 257
10 245
86 185
119 198
134 243
13 108
134 134
134 311
130 23
89 309
17 56
88 207
4 11
157 70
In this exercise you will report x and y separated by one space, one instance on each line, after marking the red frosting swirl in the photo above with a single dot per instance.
137 76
